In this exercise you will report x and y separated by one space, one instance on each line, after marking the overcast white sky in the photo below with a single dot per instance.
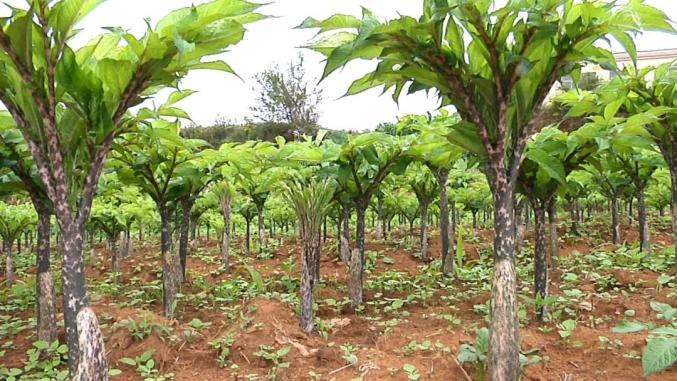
275 41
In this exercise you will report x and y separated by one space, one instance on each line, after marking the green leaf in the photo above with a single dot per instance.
128 361
283 351
465 135
147 355
553 167
67 13
256 278
213 65
173 112
625 326
116 75
337 21
177 96
659 354
114 372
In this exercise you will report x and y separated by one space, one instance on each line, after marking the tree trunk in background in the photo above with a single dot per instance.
46 305
344 244
194 221
424 231
10 275
171 271
379 218
644 233
186 207
630 214
112 242
574 218
123 244
324 230
615 222
361 207
554 234
225 244
503 356
27 241
248 237
474 223
263 241
540 258
442 176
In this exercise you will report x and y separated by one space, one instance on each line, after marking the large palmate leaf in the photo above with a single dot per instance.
659 354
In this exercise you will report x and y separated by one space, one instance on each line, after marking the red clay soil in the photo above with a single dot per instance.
380 354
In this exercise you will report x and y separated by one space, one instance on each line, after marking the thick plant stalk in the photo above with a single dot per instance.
248 237
306 321
424 231
73 275
615 222
503 357
263 239
574 218
540 260
644 233
554 234
355 278
171 276
442 176
361 208
10 275
112 242
519 227
225 244
92 364
311 248
379 218
311 204
673 208
46 306
186 207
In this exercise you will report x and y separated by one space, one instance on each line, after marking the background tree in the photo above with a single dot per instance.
288 97
439 155
154 159
423 184
15 155
14 219
641 106
659 192
363 163
548 159
496 66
